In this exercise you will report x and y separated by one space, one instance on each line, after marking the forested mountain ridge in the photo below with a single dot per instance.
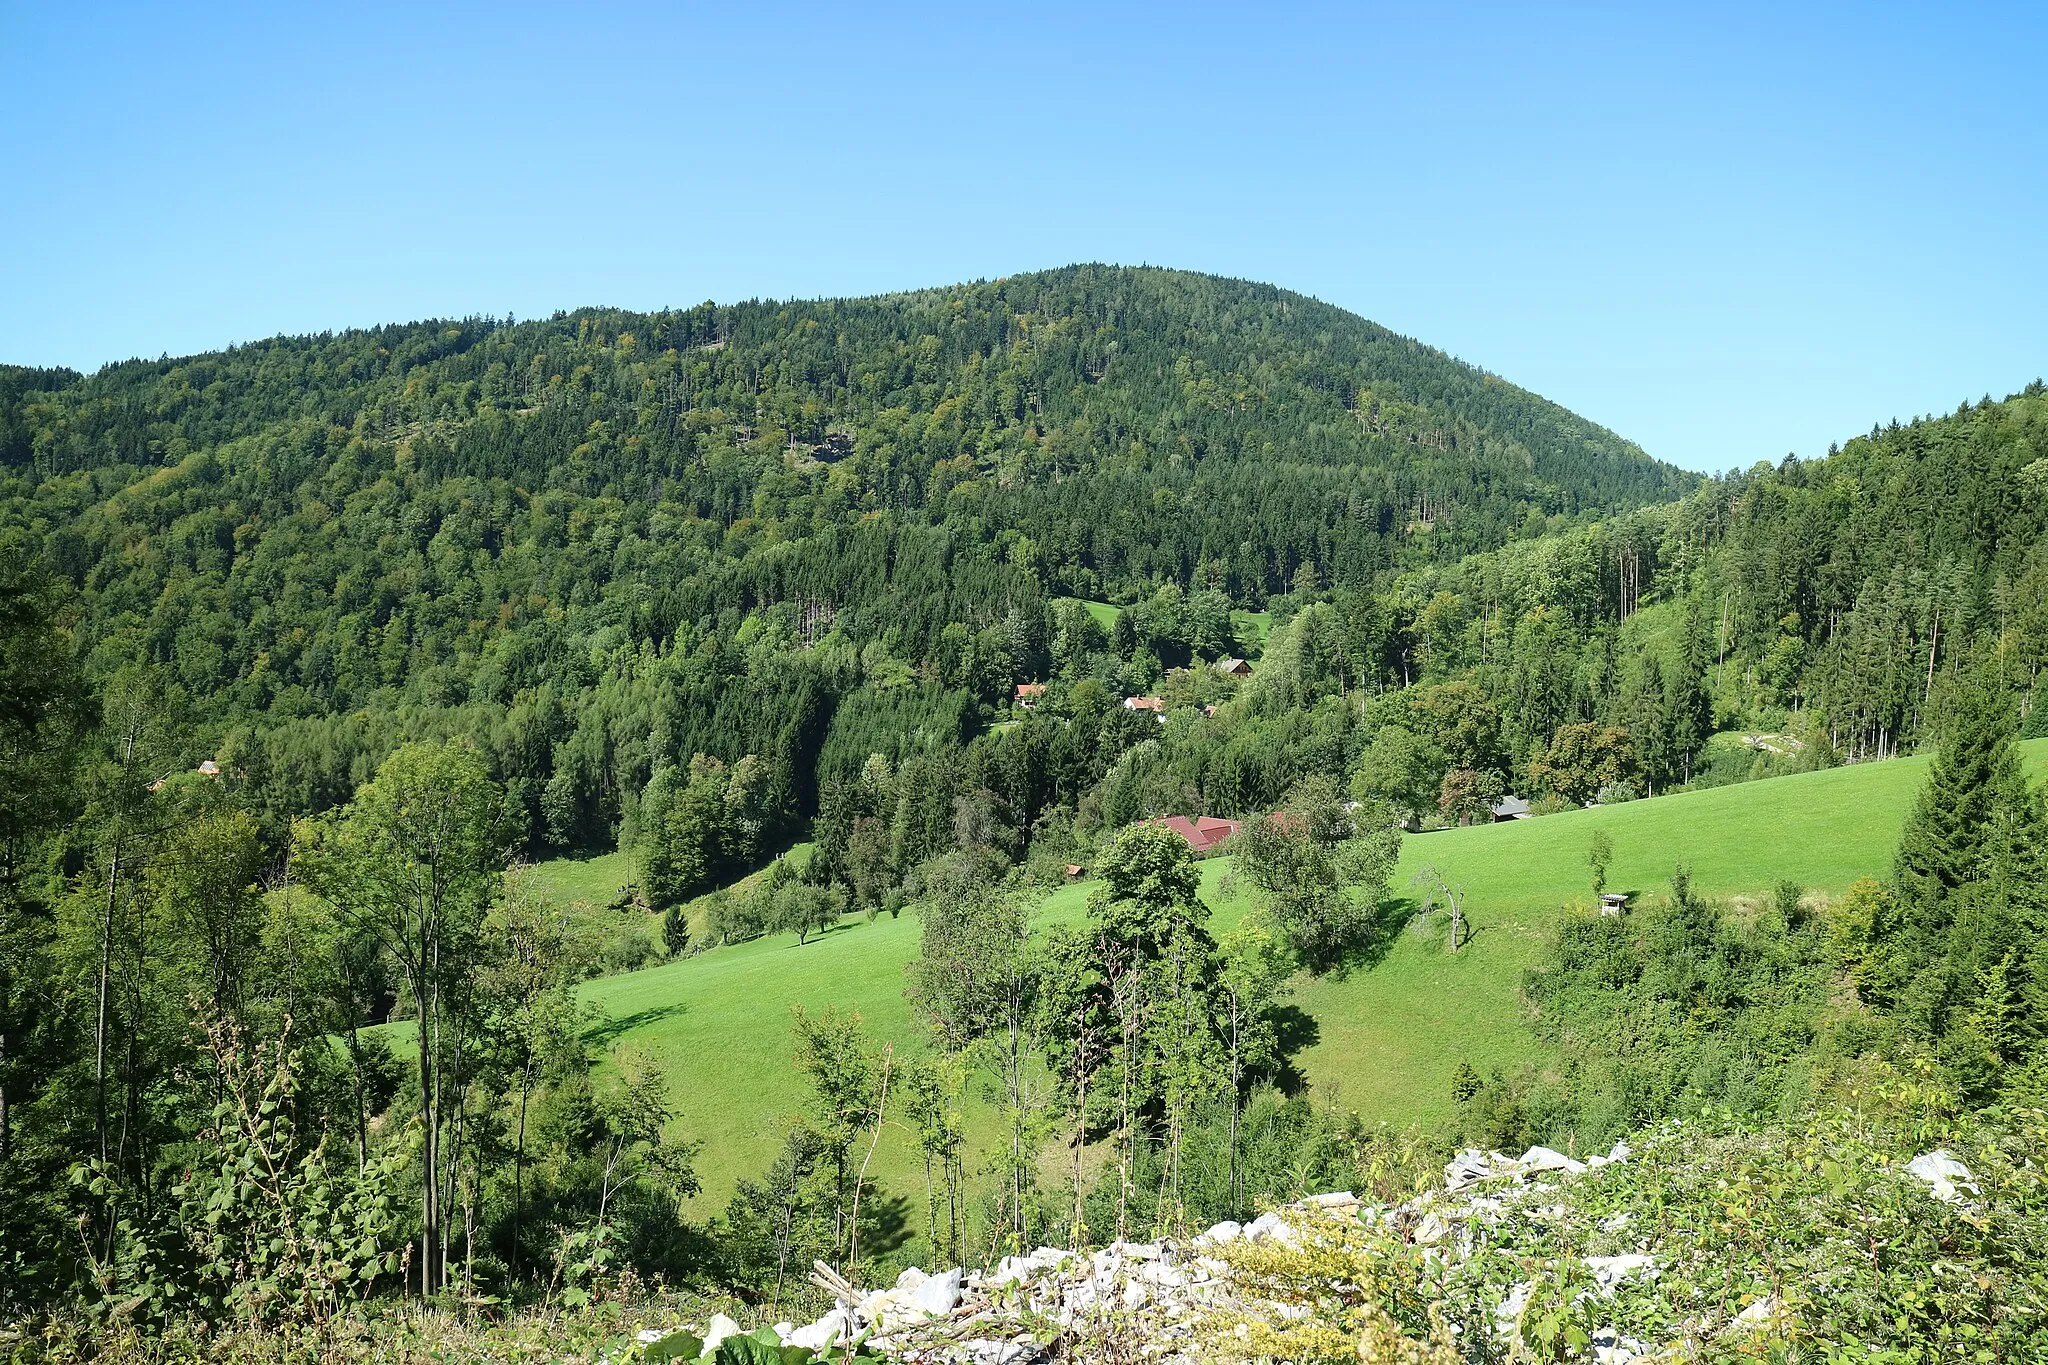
1839 596
703 584
551 535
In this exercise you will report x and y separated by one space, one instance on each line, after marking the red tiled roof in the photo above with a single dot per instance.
1202 832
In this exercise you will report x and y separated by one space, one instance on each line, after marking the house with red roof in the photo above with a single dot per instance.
1030 694
1203 833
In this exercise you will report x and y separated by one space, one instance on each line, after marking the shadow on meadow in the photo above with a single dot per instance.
611 1030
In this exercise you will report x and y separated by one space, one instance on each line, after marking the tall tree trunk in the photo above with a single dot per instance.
1236 1095
355 1061
99 1050
5 1135
430 1184
519 1161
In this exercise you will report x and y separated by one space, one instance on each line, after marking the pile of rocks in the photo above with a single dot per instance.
1150 1297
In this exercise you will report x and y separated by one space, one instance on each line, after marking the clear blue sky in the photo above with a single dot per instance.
1728 234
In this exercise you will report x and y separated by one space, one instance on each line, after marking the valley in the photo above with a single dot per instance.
1390 1035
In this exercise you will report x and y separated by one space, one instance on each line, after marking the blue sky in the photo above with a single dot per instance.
1726 232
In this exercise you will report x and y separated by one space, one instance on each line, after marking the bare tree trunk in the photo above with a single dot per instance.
1928 695
1078 1230
430 1176
1236 1093
874 1140
519 1162
99 1051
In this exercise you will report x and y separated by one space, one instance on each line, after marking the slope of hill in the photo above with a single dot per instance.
1389 1035
523 531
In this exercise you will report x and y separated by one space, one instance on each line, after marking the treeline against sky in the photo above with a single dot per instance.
591 542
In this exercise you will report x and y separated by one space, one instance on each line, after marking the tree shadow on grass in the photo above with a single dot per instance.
614 1028
820 935
1295 1030
885 1222
1392 918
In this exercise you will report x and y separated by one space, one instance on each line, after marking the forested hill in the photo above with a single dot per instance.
1838 597
607 539
1035 378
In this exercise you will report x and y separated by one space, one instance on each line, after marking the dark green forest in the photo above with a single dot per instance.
608 541
306 642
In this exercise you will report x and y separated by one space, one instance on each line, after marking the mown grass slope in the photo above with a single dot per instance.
1389 1034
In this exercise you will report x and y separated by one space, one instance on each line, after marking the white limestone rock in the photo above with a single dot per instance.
1945 1177
938 1295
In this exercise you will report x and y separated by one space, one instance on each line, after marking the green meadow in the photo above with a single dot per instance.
1388 1035
1252 626
592 882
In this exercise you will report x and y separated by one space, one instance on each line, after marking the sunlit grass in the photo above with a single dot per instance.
1390 1034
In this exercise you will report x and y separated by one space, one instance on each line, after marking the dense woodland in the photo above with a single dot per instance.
304 643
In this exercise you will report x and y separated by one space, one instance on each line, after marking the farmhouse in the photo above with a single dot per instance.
1155 705
1236 668
1203 833
1030 694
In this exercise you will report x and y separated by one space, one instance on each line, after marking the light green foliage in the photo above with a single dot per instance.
971 937
1680 1005
1584 759
759 1347
412 863
849 1080
802 908
265 1226
700 825
933 1088
1401 770
1148 888
1324 870
1337 1293
1599 855
1779 1221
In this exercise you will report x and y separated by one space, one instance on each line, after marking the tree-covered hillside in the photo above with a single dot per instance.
311 644
608 540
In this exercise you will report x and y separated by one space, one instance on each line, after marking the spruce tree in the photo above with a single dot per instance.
1689 706
1969 873
1975 804
1642 711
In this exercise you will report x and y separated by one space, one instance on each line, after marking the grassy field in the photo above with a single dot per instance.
594 882
1252 626
1103 612
1388 1036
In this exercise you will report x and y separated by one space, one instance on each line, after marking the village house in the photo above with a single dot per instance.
1203 833
1235 668
1030 694
1155 705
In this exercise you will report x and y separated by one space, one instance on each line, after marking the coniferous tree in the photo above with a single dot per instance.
1689 708
1974 799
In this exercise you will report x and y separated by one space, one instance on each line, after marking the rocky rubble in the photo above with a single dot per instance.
1052 1304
